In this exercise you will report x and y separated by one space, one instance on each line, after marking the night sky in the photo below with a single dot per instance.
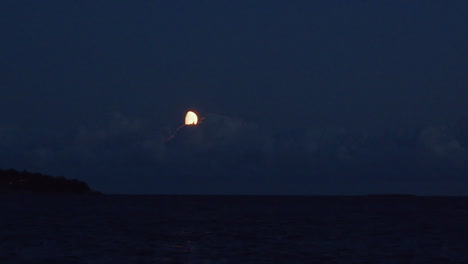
300 97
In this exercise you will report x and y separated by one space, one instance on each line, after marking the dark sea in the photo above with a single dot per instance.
232 229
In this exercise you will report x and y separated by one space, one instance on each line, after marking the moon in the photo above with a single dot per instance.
191 118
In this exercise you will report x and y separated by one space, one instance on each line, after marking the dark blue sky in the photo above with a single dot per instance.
102 66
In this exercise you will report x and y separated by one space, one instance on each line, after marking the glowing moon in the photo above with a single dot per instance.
191 118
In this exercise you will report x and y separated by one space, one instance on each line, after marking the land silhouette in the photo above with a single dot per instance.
13 181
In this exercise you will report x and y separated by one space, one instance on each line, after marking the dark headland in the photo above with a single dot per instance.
13 181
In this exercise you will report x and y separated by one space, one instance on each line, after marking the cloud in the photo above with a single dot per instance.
118 126
218 133
440 143
121 139
219 137
461 131
125 151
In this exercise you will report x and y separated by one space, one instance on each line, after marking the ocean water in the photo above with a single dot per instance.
232 229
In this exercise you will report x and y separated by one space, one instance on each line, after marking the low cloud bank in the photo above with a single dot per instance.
223 151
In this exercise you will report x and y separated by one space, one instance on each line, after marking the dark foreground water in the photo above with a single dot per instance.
232 229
